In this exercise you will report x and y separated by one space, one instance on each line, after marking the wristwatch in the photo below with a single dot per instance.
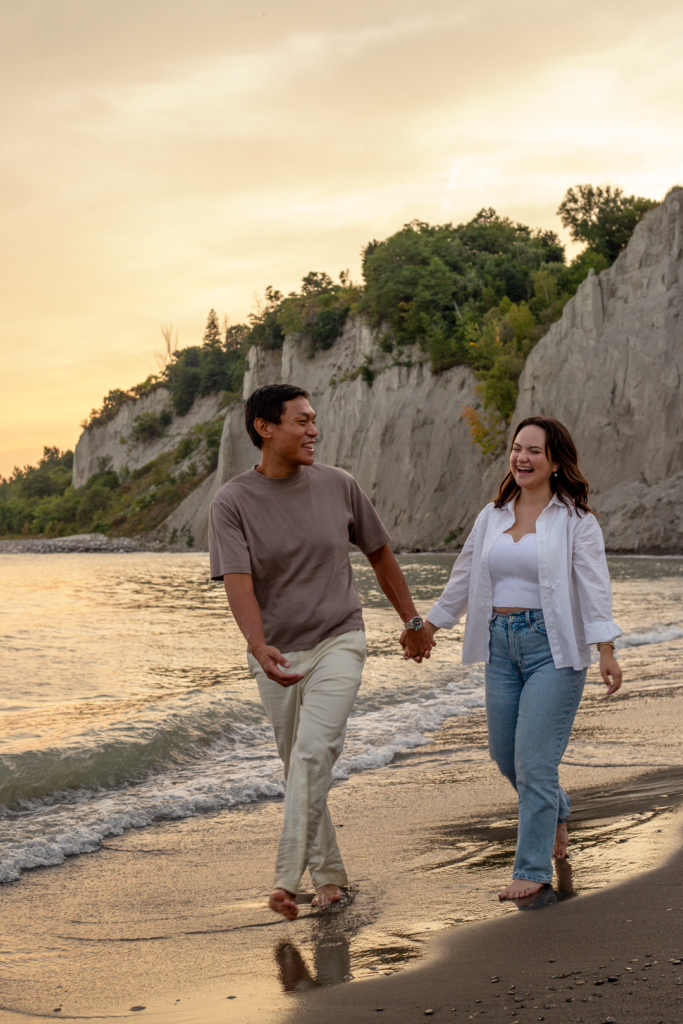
415 623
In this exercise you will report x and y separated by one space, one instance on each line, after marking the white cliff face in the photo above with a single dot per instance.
641 519
113 440
611 368
403 438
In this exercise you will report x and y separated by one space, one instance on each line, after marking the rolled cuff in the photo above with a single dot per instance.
599 632
441 619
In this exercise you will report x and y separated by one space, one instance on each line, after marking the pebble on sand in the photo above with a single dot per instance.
137 1008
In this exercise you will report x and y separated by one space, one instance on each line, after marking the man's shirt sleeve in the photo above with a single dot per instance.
366 530
228 548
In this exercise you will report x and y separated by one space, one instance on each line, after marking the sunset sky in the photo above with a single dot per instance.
162 157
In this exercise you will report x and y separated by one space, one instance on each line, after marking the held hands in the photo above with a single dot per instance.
269 658
610 670
417 643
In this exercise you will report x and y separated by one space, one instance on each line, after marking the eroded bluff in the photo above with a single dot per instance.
610 369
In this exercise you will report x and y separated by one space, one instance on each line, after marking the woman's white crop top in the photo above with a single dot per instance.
514 572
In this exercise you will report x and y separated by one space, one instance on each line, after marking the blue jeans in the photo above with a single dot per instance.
530 710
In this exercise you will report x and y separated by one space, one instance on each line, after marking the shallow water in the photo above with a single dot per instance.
126 701
125 696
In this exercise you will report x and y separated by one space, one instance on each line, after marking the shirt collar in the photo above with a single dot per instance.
510 505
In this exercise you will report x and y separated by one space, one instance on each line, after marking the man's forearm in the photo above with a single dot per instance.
393 582
244 607
239 587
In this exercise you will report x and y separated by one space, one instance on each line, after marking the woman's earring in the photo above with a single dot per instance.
555 473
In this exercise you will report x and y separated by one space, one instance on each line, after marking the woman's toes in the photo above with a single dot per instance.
561 841
518 888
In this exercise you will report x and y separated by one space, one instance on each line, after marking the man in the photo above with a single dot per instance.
279 539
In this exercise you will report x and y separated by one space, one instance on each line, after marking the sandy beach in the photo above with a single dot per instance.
172 917
297 296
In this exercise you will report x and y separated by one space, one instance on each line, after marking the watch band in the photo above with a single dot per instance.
415 623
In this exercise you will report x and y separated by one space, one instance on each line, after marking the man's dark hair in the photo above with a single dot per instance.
268 403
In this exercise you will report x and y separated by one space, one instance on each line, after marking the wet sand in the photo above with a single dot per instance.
613 957
173 917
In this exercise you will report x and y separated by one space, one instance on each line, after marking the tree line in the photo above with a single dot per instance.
479 294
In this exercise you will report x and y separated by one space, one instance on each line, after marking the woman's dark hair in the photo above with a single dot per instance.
569 485
268 403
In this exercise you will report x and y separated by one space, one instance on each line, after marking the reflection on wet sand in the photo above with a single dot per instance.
468 858
331 960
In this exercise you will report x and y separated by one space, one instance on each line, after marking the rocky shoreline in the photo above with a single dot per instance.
82 543
79 543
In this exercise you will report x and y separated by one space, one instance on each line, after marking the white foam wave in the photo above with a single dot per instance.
50 835
374 738
46 833
656 634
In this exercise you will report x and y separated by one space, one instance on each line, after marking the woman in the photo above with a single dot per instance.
534 580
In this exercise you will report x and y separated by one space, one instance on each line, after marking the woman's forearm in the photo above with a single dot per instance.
452 603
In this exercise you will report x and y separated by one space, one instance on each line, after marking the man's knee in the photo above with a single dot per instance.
314 751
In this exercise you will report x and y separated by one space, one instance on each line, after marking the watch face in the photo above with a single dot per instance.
415 623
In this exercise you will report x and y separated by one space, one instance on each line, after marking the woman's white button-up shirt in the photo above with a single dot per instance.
576 594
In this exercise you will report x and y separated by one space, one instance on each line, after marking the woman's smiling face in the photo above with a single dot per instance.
529 462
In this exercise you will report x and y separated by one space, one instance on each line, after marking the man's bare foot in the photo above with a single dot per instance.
518 888
325 895
283 902
561 841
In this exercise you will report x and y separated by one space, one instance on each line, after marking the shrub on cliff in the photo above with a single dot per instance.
483 293
479 294
217 365
150 425
112 402
317 313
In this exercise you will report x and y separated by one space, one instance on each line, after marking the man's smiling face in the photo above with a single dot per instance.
293 438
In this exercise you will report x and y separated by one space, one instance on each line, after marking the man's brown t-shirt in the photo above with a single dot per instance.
293 536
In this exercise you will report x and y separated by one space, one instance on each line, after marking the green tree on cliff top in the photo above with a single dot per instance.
603 218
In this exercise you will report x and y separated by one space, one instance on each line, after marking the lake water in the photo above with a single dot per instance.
125 696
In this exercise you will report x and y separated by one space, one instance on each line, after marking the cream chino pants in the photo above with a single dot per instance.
309 720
